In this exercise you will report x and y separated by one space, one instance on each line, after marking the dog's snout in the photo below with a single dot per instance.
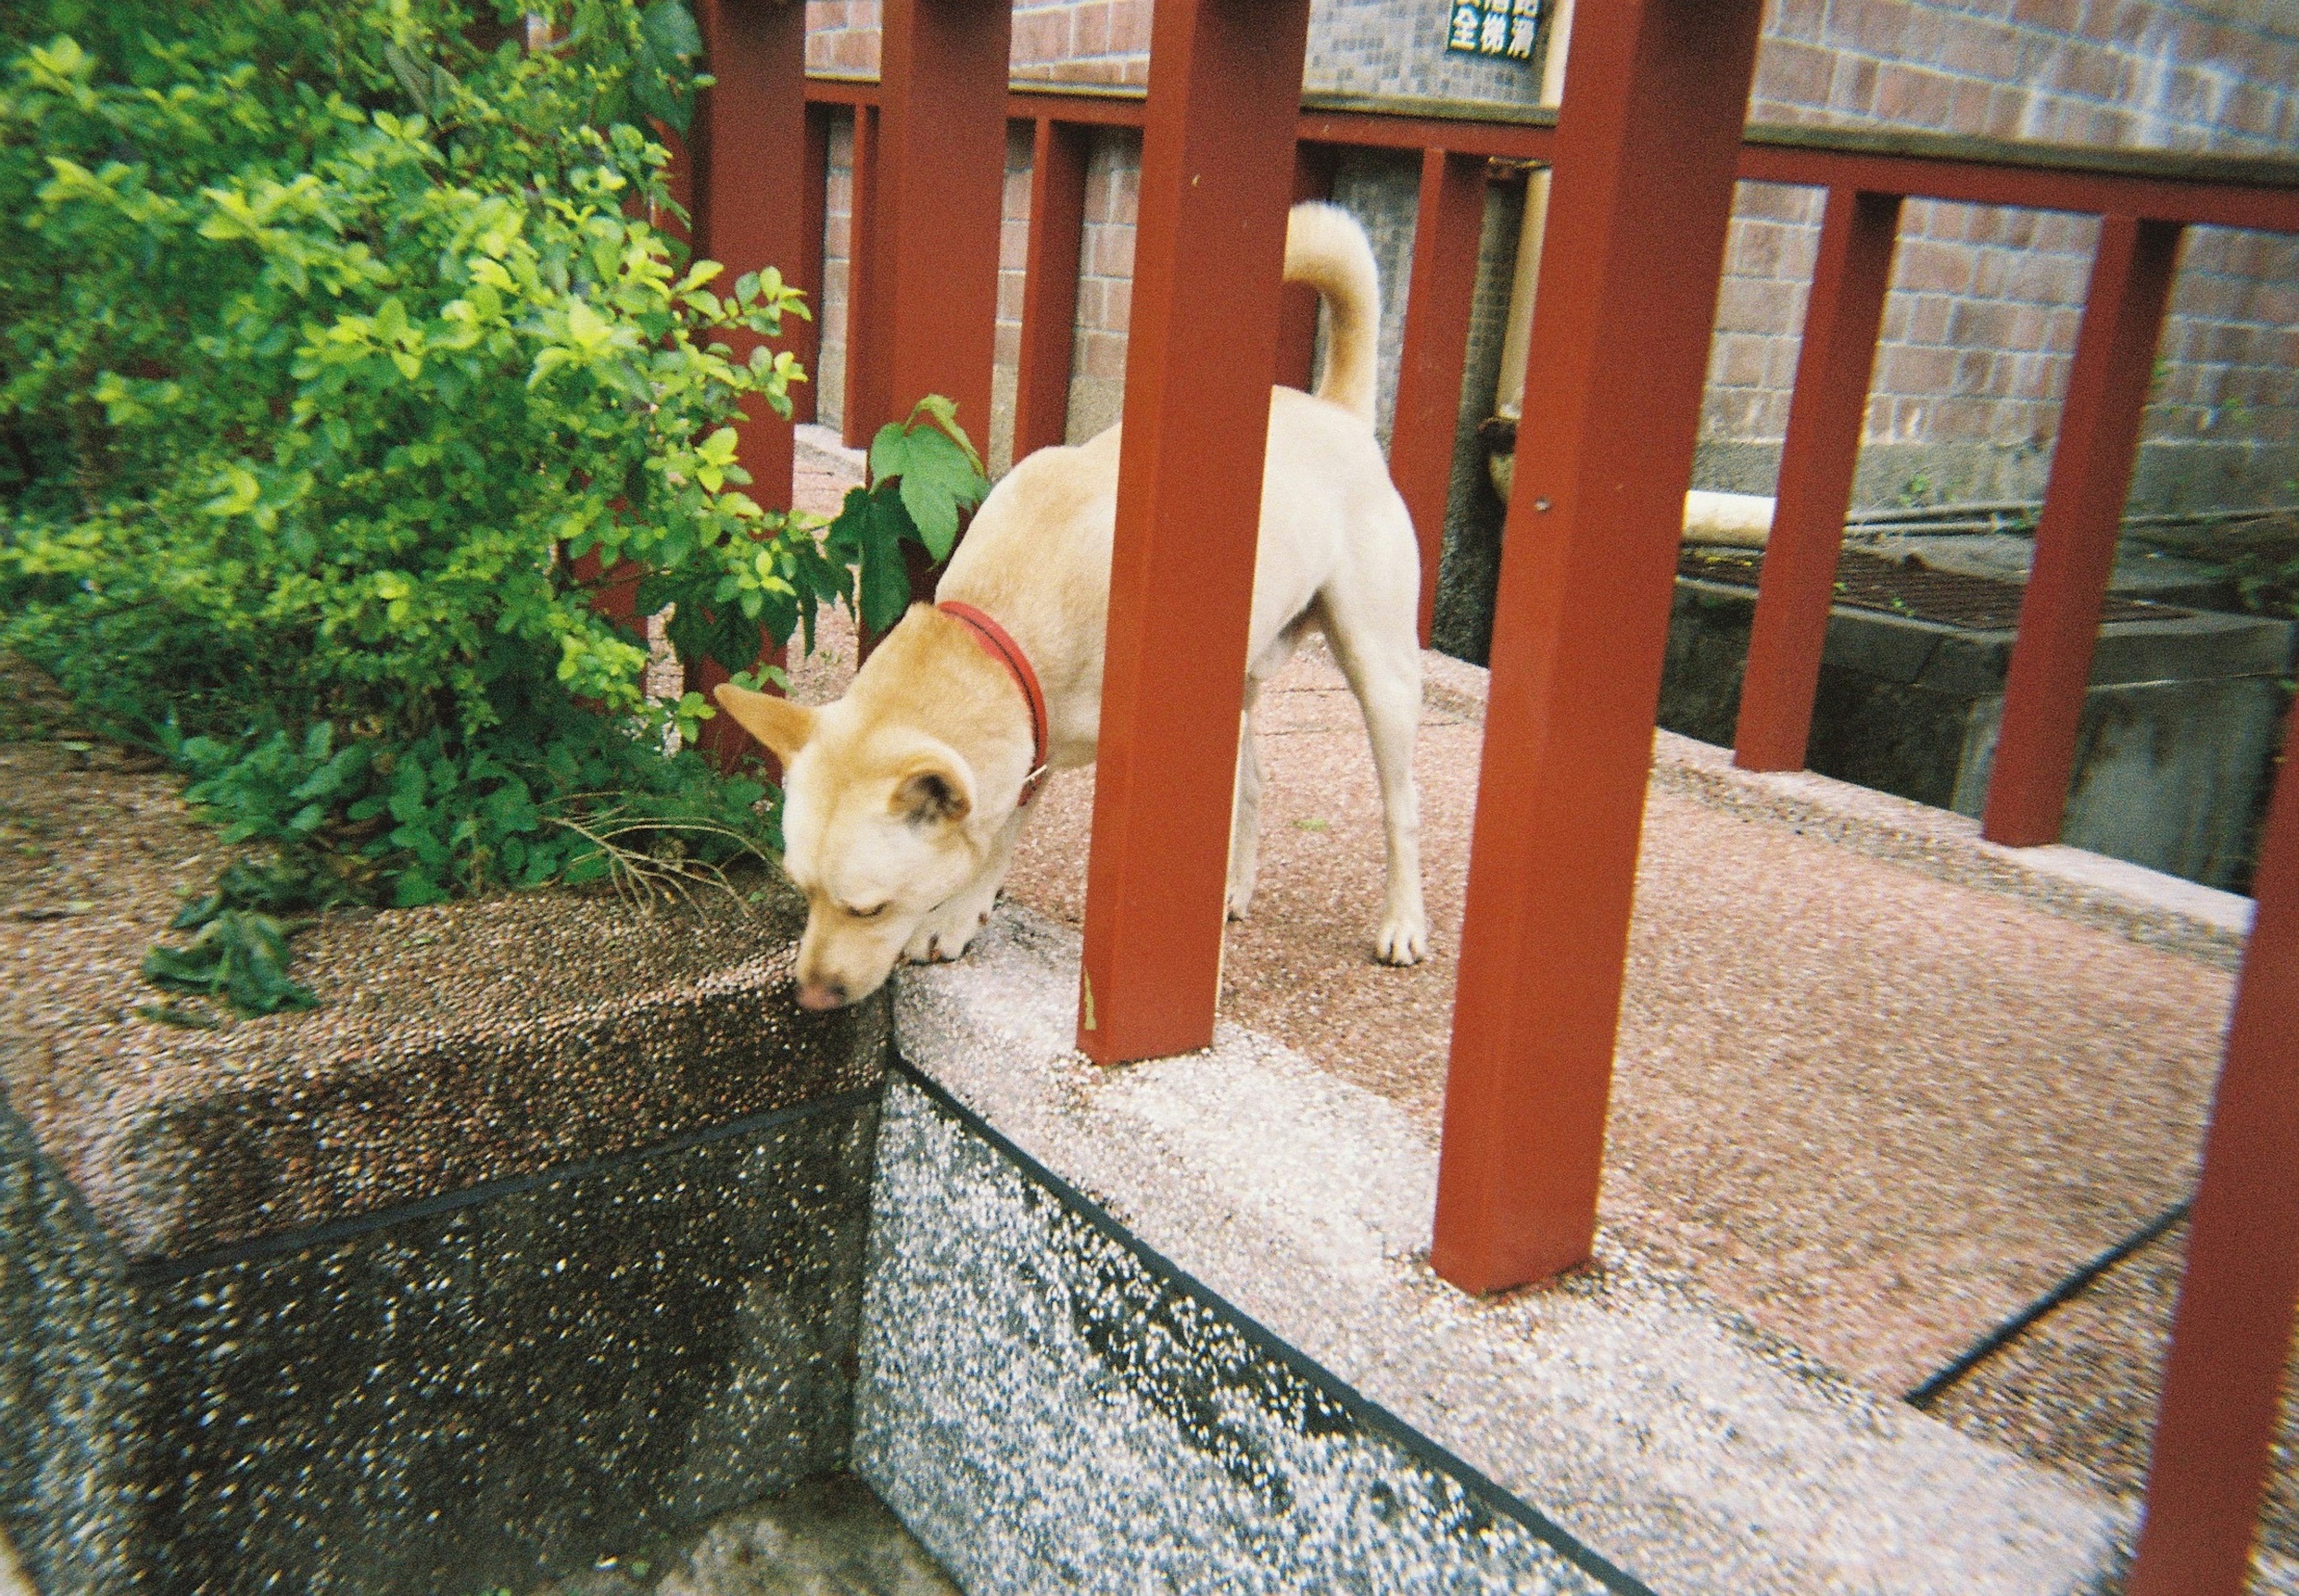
814 993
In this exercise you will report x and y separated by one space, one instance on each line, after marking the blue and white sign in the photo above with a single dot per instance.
1502 28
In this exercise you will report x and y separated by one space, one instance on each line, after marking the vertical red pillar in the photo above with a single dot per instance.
749 147
1655 95
1050 290
941 191
2075 537
862 408
1224 85
1444 293
2231 1333
1297 326
1841 319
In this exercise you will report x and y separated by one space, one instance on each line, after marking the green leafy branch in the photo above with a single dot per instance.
925 476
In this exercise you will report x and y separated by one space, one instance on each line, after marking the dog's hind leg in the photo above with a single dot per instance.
1245 819
1372 634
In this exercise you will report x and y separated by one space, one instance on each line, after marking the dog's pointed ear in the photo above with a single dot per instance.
933 791
781 725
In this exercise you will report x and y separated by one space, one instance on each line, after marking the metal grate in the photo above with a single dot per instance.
1908 586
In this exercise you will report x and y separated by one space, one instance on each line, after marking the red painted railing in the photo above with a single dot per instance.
1644 156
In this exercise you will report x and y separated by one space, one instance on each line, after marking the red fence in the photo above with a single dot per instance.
1644 154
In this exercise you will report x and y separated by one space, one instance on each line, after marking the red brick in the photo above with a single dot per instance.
1754 249
1129 27
1100 354
1795 73
1968 111
1912 96
1925 267
1776 201
2251 111
1902 370
1041 35
2124 22
2007 111
1927 322
1093 30
1737 360
1977 48
1796 19
1853 84
2055 16
2085 70
1743 305
1979 324
1878 26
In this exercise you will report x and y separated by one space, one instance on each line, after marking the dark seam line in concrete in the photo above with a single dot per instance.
1367 1412
2011 1329
164 1271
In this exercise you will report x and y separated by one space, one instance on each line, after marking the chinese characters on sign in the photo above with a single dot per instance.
1503 28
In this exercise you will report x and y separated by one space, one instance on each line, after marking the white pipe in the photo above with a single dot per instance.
1728 521
1508 392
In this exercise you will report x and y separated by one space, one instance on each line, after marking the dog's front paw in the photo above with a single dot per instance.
1403 939
943 936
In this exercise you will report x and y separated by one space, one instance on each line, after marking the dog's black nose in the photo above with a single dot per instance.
821 994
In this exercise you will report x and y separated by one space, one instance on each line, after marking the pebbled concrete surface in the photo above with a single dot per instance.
2080 1390
1670 1435
1051 1410
1875 1107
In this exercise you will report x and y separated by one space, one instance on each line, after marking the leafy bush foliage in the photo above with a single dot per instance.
925 475
331 340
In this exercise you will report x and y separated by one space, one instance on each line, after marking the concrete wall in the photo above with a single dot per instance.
391 1299
1049 1407
1980 325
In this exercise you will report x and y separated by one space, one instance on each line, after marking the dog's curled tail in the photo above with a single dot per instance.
1325 248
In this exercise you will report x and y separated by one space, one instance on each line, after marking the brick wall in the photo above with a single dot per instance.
1979 326
1113 190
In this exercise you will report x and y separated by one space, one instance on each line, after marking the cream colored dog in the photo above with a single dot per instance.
902 801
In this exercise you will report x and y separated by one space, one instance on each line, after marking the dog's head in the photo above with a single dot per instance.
875 834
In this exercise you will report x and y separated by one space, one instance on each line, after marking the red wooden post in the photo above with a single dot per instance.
2231 1334
1829 408
1656 94
1050 290
1297 326
750 146
940 192
752 195
2075 537
862 407
1446 232
1225 82
804 339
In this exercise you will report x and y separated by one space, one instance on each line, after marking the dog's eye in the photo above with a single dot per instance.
866 914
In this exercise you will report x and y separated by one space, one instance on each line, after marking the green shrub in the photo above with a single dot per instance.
331 337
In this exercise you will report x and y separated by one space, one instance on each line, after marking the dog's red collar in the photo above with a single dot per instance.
1002 647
